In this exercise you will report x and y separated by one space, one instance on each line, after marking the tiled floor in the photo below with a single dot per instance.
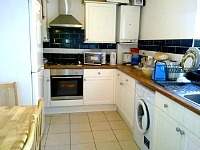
87 131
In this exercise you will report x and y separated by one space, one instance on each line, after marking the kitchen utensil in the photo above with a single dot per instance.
113 57
160 71
191 59
126 58
136 59
103 60
161 56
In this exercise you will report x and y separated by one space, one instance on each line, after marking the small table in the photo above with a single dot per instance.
14 126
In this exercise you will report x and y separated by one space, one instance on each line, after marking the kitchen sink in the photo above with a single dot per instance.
188 91
194 98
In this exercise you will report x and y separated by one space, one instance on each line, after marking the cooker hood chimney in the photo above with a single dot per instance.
65 19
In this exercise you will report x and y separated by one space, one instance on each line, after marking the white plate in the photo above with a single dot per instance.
191 59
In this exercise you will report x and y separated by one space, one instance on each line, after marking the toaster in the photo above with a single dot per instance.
160 71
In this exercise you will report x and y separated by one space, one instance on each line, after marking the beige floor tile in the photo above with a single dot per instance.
79 118
88 146
123 135
79 114
59 128
128 145
112 116
58 147
81 127
81 138
46 128
44 138
118 125
60 115
58 139
104 136
108 146
60 120
97 117
47 119
99 126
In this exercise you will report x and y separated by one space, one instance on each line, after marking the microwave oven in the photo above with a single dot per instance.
94 58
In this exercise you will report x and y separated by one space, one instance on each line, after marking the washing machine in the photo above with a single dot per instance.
143 117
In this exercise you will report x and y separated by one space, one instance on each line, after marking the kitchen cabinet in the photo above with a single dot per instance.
166 137
172 127
100 22
125 94
119 1
47 87
98 86
128 23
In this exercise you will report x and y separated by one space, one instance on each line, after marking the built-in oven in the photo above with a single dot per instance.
66 84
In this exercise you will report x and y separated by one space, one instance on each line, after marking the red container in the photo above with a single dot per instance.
135 50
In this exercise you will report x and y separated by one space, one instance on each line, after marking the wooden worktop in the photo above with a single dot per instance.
139 76
14 126
146 81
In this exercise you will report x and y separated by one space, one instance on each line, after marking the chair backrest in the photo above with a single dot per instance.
8 94
35 132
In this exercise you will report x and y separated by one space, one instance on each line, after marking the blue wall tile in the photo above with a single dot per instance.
179 46
72 38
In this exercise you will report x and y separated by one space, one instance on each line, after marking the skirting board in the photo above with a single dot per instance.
73 109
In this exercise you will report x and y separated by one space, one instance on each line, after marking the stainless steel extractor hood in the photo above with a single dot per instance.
65 19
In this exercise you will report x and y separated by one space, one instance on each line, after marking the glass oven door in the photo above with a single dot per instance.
68 87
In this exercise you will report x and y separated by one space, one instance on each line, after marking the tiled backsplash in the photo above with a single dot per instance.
72 38
178 46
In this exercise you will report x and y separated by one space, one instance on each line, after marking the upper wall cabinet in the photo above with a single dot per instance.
100 23
128 23
119 1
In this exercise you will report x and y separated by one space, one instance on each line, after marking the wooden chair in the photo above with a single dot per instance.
8 94
35 132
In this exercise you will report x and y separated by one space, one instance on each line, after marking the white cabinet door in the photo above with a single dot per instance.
119 1
128 105
128 23
119 90
98 91
100 23
47 87
125 96
165 136
190 141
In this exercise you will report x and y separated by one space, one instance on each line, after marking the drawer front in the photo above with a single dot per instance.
98 72
168 106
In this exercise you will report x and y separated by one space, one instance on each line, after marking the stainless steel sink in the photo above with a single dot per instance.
194 98
188 91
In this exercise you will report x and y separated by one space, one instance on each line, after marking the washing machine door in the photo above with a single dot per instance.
142 116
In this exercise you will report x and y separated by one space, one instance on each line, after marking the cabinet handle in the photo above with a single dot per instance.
126 80
48 80
99 73
182 132
165 106
121 83
118 74
178 129
84 79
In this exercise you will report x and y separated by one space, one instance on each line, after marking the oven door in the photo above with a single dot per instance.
68 87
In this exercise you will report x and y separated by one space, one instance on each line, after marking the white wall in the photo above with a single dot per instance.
168 19
15 47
